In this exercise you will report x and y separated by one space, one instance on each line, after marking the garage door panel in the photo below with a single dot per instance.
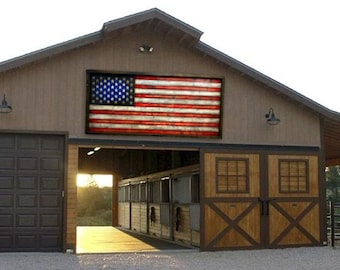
28 142
50 182
7 142
52 143
50 220
26 220
28 163
27 182
50 201
6 220
7 163
6 182
49 241
26 200
6 200
6 242
26 241
51 164
31 186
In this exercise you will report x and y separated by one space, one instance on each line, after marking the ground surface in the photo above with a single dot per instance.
317 258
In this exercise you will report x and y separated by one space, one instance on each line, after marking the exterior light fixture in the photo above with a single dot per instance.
5 108
271 118
145 49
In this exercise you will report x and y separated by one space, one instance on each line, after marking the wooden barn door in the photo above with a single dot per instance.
231 207
259 201
293 201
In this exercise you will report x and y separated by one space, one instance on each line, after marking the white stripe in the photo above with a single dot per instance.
153 109
179 83
177 101
152 127
176 92
153 118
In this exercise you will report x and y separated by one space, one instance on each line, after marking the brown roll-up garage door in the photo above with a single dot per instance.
31 192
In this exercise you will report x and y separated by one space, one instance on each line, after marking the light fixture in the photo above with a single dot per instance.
271 118
92 151
146 48
5 108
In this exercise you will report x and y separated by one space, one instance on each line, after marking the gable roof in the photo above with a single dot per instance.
190 36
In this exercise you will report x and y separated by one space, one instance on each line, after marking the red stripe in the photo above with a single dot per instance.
177 87
177 79
156 123
179 106
155 132
172 114
174 97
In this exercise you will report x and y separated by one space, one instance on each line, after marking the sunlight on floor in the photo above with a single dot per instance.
106 239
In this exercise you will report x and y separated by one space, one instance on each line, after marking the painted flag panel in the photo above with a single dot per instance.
154 105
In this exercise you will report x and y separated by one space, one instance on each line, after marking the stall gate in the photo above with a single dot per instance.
164 205
260 201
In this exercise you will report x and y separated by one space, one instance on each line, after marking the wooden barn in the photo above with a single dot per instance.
203 149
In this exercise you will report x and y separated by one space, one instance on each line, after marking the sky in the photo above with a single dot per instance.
295 42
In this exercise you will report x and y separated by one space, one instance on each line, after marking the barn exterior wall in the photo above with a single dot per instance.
51 94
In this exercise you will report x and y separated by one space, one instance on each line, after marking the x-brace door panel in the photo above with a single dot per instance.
237 224
294 213
231 207
259 201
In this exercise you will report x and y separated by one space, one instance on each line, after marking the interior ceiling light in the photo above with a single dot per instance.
271 118
94 150
90 153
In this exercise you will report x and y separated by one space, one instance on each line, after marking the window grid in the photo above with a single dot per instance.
293 176
232 175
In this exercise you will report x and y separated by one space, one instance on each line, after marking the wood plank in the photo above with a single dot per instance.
71 193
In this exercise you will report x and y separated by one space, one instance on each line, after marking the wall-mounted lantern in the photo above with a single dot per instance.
271 118
5 108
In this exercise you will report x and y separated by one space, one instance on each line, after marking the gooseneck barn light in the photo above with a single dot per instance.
271 118
5 108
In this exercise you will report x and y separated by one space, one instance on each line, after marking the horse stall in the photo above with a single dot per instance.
165 205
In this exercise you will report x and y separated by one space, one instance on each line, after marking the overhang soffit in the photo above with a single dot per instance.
156 26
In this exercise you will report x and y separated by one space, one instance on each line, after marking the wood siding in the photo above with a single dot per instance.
124 214
71 197
51 94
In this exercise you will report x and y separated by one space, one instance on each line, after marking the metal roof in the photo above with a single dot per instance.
190 36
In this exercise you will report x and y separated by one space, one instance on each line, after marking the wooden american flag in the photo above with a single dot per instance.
153 105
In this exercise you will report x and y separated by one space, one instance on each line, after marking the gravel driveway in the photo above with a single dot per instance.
317 258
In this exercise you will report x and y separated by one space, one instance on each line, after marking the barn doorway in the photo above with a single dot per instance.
122 164
94 199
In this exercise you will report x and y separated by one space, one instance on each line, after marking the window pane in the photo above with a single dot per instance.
293 176
232 175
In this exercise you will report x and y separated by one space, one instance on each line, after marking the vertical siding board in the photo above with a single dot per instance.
71 207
